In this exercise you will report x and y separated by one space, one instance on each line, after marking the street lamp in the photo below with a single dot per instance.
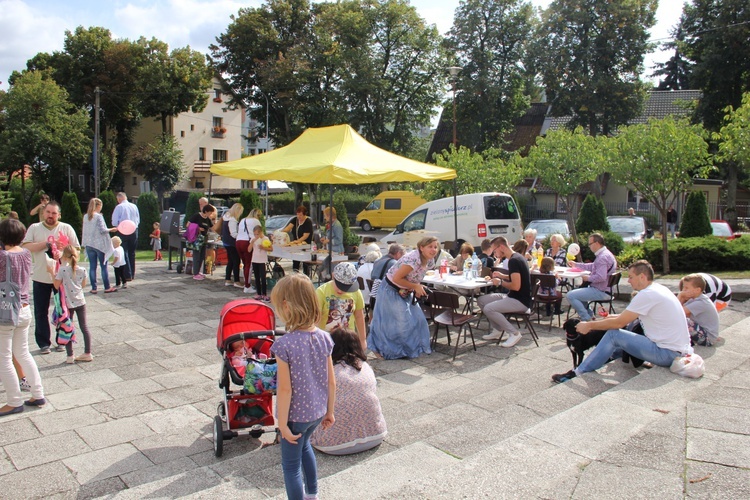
453 70
267 143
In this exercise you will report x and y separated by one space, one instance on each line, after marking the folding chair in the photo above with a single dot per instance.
613 283
446 306
526 316
548 281
361 283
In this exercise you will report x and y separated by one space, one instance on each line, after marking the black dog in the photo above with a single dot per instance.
578 344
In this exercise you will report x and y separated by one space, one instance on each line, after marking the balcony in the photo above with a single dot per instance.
218 132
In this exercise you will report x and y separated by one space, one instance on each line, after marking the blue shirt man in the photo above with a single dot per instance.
127 211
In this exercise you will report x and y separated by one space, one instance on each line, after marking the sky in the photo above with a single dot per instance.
31 26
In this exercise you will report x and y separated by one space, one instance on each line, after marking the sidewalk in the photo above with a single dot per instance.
136 422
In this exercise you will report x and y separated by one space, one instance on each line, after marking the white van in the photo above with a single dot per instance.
480 216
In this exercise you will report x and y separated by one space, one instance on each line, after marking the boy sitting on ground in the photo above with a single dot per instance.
702 317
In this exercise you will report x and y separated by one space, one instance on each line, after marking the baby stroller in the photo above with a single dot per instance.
249 410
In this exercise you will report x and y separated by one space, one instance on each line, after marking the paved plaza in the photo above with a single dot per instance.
136 422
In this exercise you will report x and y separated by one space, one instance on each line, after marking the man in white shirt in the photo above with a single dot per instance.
127 211
36 241
661 315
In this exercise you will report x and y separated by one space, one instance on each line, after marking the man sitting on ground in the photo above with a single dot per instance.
604 264
666 334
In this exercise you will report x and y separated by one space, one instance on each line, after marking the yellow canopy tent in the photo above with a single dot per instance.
331 155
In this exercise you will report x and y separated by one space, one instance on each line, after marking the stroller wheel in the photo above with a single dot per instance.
222 412
218 436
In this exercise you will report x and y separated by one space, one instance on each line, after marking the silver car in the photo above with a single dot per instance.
632 228
548 227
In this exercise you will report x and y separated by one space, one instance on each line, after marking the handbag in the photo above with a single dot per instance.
690 365
10 296
192 232
260 375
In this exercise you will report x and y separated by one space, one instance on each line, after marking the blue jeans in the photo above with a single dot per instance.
580 297
94 257
42 293
615 342
298 462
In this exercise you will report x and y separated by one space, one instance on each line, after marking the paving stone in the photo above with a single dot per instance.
167 421
725 396
65 420
648 449
98 489
603 480
144 370
736 379
149 343
160 471
114 432
368 476
185 395
27 484
91 379
593 426
231 488
180 379
128 407
161 448
20 429
77 398
133 387
707 480
106 463
182 362
658 388
722 448
45 449
6 466
718 418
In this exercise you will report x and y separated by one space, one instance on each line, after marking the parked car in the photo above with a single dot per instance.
547 227
276 222
221 210
722 229
632 228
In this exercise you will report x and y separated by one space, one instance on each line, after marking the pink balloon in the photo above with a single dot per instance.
126 227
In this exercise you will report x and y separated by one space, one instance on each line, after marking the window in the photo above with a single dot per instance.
135 180
82 182
393 203
192 128
217 121
201 154
220 155
246 184
374 205
182 133
500 207
414 222
217 95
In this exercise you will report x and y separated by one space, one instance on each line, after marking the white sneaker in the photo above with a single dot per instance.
494 335
512 340
249 289
227 283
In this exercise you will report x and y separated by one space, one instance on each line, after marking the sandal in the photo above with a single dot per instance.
110 290
94 292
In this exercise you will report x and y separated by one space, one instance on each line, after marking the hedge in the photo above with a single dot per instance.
700 254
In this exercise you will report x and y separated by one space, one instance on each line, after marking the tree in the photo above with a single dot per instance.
717 41
490 40
490 170
109 202
590 58
676 71
148 208
563 161
177 82
734 140
70 212
372 64
695 220
43 130
660 159
249 200
192 206
161 164
593 216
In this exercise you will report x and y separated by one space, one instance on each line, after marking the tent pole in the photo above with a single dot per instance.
455 218
330 240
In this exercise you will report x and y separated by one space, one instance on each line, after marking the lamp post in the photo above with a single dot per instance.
267 143
453 70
